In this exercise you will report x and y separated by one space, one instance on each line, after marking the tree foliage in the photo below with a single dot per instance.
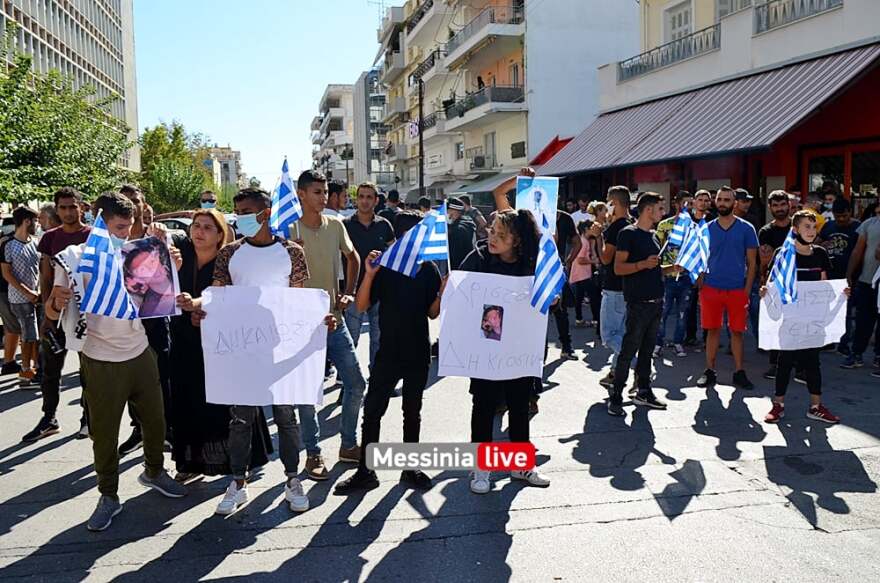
173 174
53 135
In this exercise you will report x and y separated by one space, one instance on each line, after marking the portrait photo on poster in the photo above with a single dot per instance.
492 322
151 277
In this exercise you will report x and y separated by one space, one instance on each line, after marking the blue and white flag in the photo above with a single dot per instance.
784 272
105 293
694 253
286 208
549 273
424 242
682 223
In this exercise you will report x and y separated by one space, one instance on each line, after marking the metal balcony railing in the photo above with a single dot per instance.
425 66
686 47
489 94
418 15
491 15
776 13
430 121
735 6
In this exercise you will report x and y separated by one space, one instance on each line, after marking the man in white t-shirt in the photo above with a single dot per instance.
581 214
120 368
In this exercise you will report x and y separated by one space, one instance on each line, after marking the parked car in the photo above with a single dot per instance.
177 226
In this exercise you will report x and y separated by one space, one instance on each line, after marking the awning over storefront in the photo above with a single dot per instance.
487 185
742 114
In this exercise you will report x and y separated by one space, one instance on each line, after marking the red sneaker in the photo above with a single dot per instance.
820 413
775 414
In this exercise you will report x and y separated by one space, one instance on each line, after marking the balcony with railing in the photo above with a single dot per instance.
393 108
395 64
698 43
495 22
418 15
474 109
427 66
423 27
777 13
395 152
392 19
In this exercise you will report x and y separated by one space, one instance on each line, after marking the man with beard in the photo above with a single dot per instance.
733 246
839 237
462 231
770 238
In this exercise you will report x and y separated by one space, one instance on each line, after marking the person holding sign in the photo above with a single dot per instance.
812 264
511 249
405 305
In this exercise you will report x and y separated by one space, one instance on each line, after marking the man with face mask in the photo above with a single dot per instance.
120 368
208 199
726 287
21 269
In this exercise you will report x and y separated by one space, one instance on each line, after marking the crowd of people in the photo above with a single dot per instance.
622 280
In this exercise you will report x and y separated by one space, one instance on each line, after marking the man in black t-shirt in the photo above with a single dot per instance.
637 263
612 317
770 238
405 304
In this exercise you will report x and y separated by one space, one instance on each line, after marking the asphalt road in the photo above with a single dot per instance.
702 492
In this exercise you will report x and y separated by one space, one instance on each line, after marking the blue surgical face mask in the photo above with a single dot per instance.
116 242
247 225
208 205
88 217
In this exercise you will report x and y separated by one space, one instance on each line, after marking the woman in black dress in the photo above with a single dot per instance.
201 429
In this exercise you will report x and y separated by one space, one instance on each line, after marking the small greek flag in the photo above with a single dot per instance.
424 242
549 273
105 293
286 208
694 253
784 272
682 223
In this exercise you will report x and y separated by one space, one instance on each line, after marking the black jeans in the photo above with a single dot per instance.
486 394
642 323
383 379
866 319
560 314
691 330
807 361
53 365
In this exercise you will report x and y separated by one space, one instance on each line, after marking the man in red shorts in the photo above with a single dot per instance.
733 249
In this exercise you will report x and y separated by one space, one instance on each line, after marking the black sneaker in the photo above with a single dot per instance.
647 399
10 368
44 428
360 481
568 353
416 478
709 378
608 380
741 381
615 406
771 373
134 441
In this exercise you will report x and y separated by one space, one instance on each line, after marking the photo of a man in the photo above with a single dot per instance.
493 319
150 277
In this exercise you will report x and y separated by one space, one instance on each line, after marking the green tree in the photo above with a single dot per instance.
174 186
53 135
173 173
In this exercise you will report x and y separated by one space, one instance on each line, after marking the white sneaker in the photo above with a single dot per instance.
657 350
679 351
293 493
532 477
234 498
480 482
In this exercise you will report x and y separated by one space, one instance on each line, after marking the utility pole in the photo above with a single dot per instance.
421 138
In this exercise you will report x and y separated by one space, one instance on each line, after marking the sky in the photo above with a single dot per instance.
250 74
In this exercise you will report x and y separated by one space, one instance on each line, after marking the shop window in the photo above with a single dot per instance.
865 179
825 172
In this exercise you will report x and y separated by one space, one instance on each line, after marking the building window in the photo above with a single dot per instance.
518 150
678 20
459 151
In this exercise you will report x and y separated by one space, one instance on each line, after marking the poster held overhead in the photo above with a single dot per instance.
539 195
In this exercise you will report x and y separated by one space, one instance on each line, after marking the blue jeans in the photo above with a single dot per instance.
340 351
354 321
612 321
677 295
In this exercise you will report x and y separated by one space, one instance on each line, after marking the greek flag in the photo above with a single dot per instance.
286 208
105 293
694 253
784 272
549 273
682 223
424 242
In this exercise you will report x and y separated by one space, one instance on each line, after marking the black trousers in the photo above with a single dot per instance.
866 319
53 365
642 323
691 330
486 395
560 314
383 378
807 361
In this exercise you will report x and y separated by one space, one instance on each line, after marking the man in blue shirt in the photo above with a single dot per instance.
733 249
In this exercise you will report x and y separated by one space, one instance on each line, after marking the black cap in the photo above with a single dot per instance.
454 203
743 194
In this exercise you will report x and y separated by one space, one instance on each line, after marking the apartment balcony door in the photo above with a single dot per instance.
489 149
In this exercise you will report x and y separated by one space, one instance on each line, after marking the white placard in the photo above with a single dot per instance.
264 345
817 318
540 196
488 328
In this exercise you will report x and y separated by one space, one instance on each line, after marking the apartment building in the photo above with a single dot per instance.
333 133
760 94
370 133
479 118
228 166
92 41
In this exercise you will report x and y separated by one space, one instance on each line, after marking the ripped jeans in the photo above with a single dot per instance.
241 434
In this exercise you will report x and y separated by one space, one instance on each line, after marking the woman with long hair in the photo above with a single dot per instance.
583 274
201 429
511 249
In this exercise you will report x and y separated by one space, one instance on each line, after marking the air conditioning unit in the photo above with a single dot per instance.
479 162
